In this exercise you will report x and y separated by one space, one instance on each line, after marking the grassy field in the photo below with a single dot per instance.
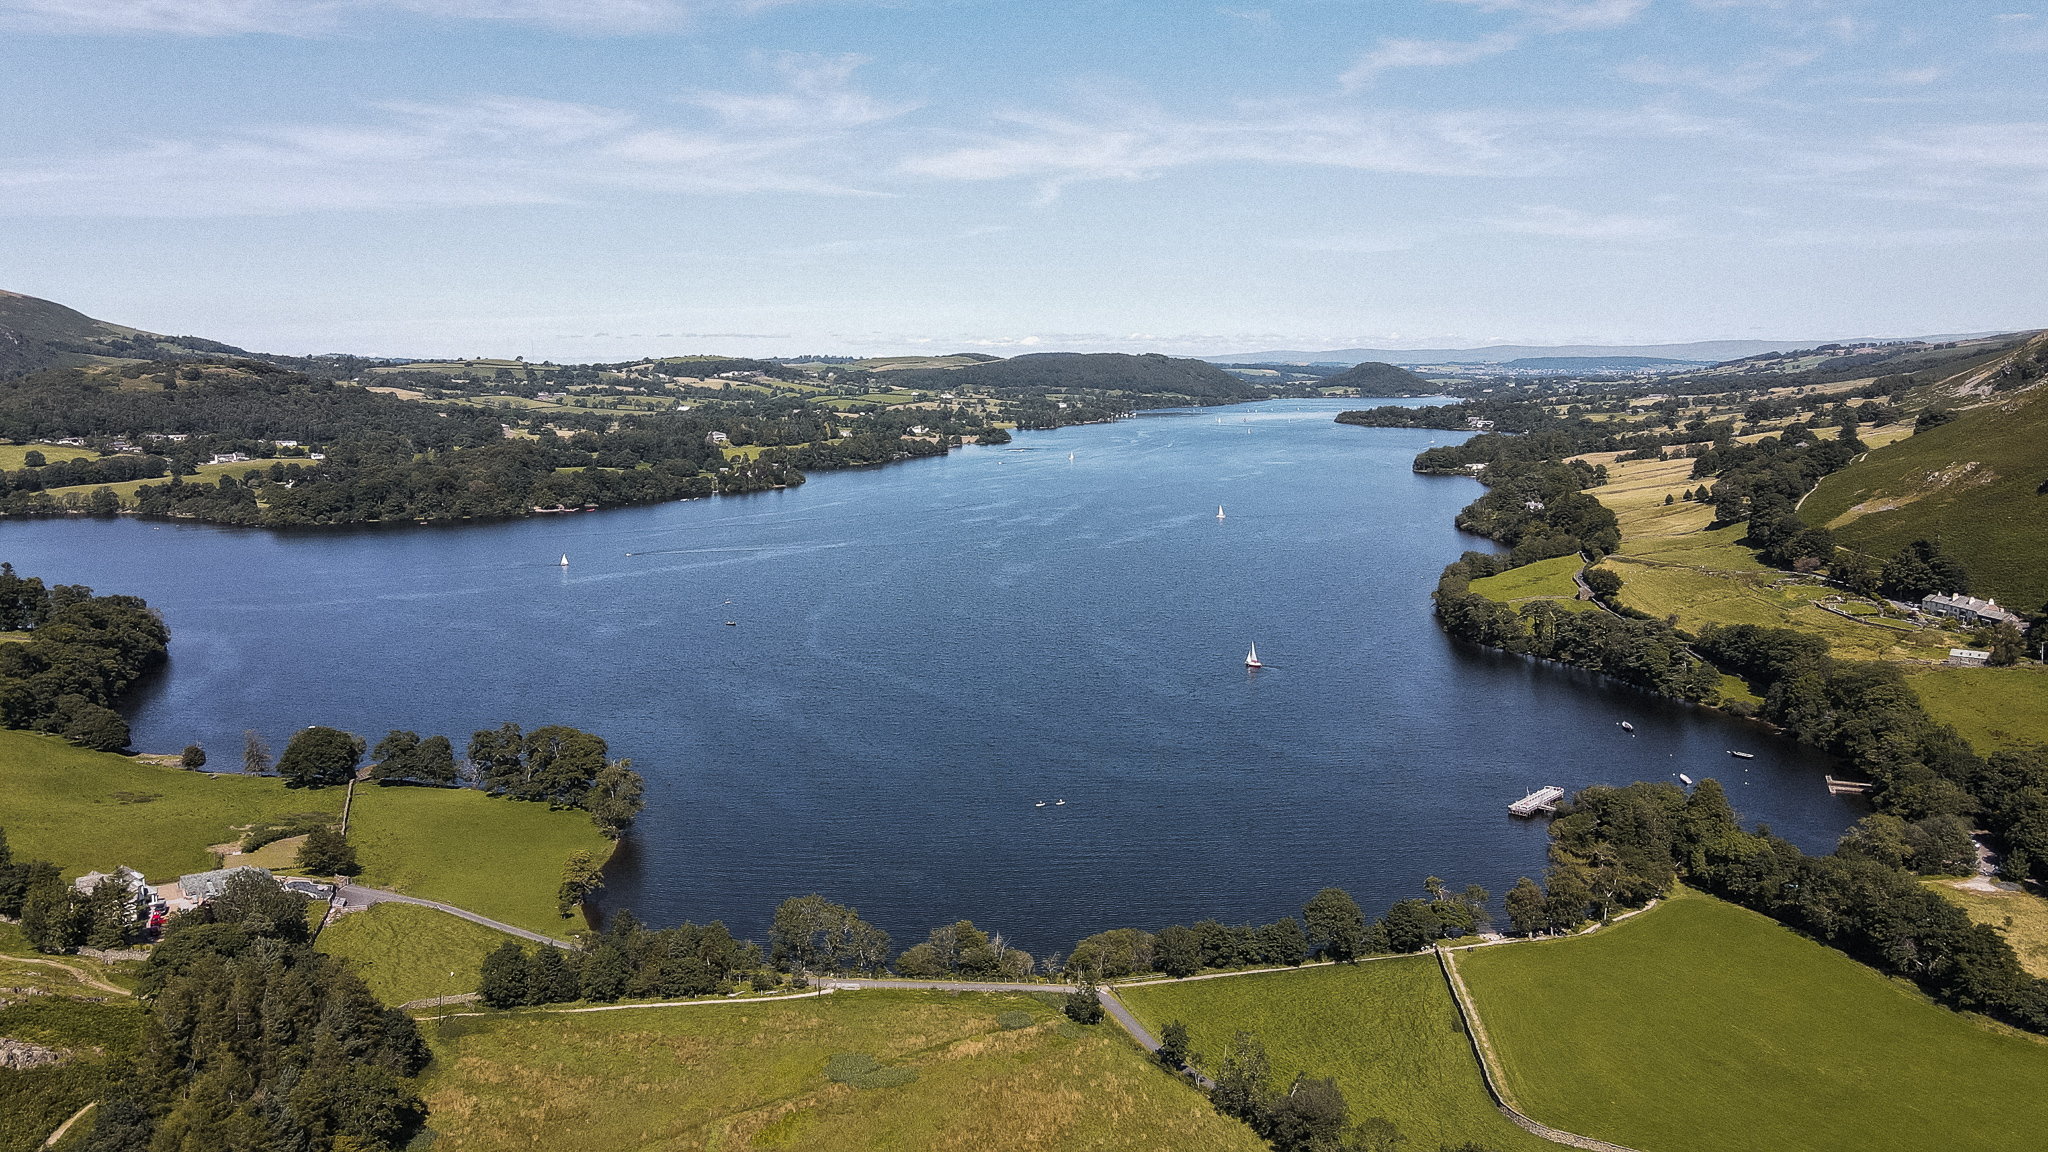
86 810
1700 597
500 858
739 1076
1543 580
2021 917
1992 707
1704 1027
405 952
1387 1030
1976 483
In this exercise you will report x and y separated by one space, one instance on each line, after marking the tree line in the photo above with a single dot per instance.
557 765
82 652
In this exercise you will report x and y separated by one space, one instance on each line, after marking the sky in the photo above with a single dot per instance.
608 179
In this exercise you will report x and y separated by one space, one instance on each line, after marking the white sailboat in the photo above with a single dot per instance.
1251 659
565 560
1219 511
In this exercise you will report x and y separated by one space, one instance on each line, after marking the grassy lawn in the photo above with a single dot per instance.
1387 1030
496 857
1993 708
1704 1026
1543 580
405 952
85 810
738 1076
2021 917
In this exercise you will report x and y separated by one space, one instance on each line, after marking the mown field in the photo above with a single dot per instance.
1386 1029
1977 483
86 811
406 953
1704 1027
1543 580
1993 708
496 857
753 1075
2021 917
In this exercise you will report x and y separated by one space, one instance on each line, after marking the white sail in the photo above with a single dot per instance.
565 560
1219 511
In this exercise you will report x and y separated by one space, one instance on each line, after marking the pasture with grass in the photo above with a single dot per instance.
1994 708
493 856
85 810
852 1070
405 952
1703 1027
1387 1030
2020 917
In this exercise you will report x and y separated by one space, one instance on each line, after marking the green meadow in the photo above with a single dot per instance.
1704 1027
738 1075
86 811
496 857
1543 580
405 952
1993 708
1388 1031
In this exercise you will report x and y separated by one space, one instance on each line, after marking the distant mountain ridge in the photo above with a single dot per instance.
1700 351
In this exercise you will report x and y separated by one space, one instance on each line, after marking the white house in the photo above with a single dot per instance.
1968 609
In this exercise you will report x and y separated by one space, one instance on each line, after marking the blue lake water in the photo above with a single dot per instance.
921 653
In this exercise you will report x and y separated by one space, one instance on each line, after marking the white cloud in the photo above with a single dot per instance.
1425 54
1134 142
485 151
1566 15
321 17
1572 224
819 93
1722 79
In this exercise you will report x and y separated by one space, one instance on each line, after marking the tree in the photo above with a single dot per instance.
1335 925
254 903
1178 952
1311 1115
193 757
1411 924
1525 903
614 798
255 753
1244 1082
1281 942
325 853
503 981
89 725
1173 1046
2007 644
49 918
1603 582
403 756
811 933
562 765
580 878
317 757
1083 1006
393 755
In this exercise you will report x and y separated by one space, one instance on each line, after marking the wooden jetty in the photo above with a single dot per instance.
1847 787
1543 799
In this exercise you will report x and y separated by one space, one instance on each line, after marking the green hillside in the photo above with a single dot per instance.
1979 483
37 333
1375 379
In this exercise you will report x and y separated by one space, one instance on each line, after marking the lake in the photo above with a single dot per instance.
919 654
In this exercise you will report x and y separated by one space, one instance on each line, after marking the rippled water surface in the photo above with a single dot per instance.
919 654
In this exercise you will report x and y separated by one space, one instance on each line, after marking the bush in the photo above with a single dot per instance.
194 757
325 853
1083 1006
